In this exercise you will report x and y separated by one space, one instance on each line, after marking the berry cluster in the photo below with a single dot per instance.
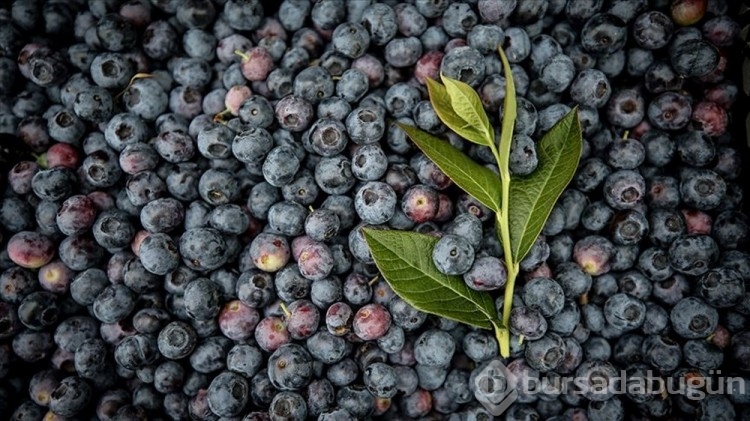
185 184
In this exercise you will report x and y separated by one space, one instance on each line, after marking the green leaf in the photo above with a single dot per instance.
532 197
476 180
509 115
443 105
404 259
467 105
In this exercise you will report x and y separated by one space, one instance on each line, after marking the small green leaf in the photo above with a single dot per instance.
476 180
443 105
532 197
404 259
467 105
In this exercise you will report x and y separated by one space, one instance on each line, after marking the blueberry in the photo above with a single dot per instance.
624 311
114 303
228 394
350 39
465 64
70 397
693 254
375 202
692 318
545 294
289 406
176 340
202 299
365 125
453 255
721 287
702 189
203 249
487 273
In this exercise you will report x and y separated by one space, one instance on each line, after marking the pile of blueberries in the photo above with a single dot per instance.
186 182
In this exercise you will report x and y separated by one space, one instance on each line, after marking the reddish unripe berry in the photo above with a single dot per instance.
697 222
542 271
102 200
114 333
593 254
271 333
723 94
688 12
640 129
61 155
371 322
420 203
454 43
711 118
382 405
721 337
135 245
235 97
445 208
55 277
721 31
417 405
339 318
315 261
237 321
76 215
299 244
19 177
30 249
63 361
256 63
372 68
137 13
271 28
302 319
428 66
269 252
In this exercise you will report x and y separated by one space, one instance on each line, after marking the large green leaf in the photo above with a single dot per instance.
404 258
467 105
476 180
532 197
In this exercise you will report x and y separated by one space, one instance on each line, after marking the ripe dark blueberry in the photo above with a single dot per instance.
693 318
176 340
288 405
453 255
228 394
693 57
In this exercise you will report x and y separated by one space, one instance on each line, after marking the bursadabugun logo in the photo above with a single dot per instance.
497 387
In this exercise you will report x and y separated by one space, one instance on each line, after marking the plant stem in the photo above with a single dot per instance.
503 229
